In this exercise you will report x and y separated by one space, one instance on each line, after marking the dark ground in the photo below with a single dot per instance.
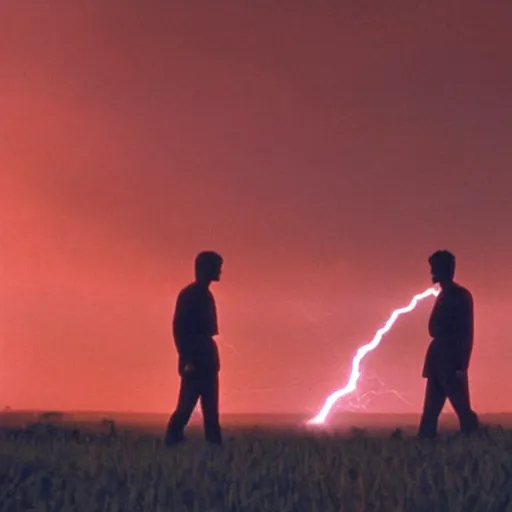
376 424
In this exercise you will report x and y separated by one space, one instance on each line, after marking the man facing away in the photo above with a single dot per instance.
194 325
447 359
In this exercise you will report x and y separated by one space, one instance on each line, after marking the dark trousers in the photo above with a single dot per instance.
196 386
456 389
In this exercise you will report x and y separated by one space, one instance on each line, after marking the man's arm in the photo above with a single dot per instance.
465 330
181 329
433 327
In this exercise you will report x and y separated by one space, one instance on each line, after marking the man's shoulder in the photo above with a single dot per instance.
462 293
188 292
194 291
191 287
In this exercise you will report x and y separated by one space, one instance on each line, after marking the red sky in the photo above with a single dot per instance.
325 149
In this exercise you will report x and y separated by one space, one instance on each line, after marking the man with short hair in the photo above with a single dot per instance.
194 326
448 356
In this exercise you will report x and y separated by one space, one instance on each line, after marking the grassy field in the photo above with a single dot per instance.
50 468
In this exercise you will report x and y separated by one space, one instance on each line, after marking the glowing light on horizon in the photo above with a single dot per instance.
322 415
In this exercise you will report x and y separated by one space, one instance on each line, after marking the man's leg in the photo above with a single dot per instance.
458 394
435 398
187 400
210 408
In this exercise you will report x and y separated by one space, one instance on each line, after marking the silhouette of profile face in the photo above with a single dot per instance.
208 266
442 267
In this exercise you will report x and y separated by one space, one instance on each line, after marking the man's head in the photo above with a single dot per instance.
208 266
442 267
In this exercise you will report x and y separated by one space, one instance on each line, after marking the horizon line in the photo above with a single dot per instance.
246 413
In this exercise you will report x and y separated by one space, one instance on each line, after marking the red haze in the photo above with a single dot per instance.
324 151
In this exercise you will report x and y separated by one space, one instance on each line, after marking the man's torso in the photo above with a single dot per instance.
446 327
195 322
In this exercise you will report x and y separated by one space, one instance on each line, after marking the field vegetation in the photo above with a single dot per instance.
54 468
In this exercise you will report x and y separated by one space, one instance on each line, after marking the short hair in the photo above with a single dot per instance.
443 259
207 260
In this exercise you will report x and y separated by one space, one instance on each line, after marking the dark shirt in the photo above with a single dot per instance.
194 325
451 329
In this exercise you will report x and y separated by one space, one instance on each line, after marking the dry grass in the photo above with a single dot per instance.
45 468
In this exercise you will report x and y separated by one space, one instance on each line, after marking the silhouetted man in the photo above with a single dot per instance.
447 359
194 325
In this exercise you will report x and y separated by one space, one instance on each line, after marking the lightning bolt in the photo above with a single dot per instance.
322 415
362 400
